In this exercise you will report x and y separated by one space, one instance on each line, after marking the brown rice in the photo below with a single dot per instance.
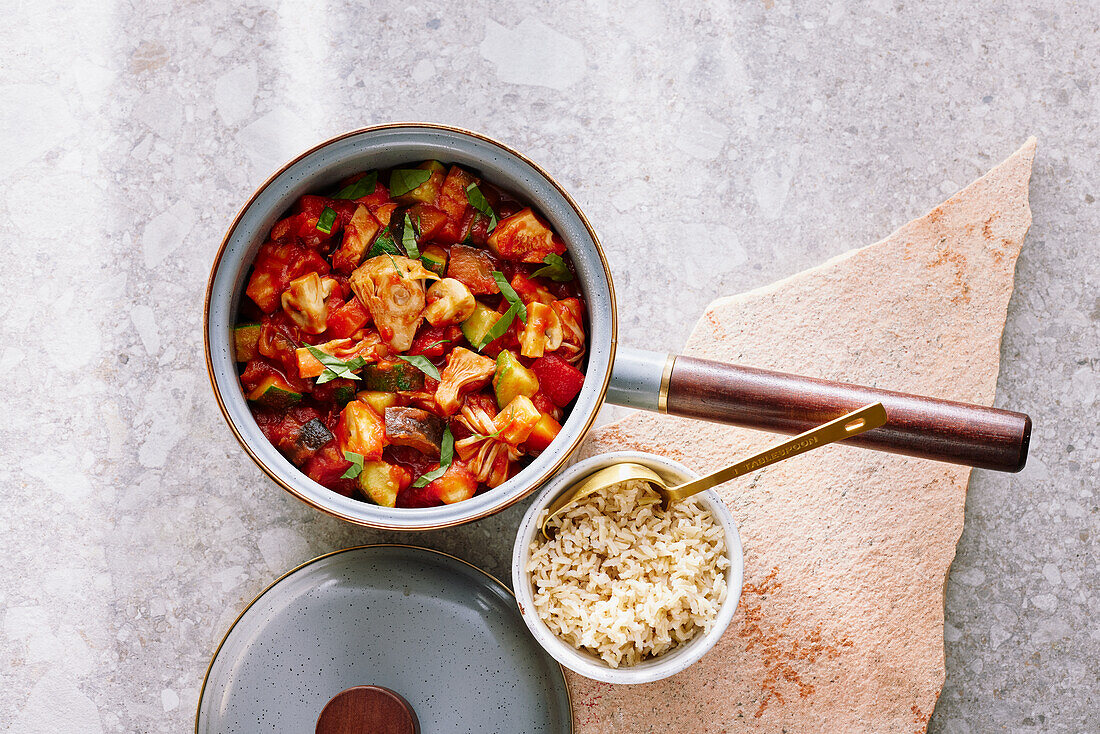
627 580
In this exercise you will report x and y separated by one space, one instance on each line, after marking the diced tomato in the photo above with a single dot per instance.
484 402
478 229
456 484
529 290
515 421
452 197
450 233
430 384
545 404
408 457
276 265
340 389
358 236
428 220
311 205
361 430
435 341
508 340
345 210
454 202
418 497
303 223
259 369
525 237
384 213
560 380
284 431
292 226
347 319
279 340
379 197
542 435
327 466
474 267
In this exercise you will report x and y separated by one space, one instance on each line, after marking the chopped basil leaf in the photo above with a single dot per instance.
497 330
393 262
383 245
510 294
408 238
555 269
436 344
422 364
478 201
336 367
446 455
404 180
356 467
326 220
360 188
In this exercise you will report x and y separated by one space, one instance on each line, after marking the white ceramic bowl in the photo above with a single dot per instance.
585 663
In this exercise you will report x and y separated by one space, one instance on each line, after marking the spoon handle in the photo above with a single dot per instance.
851 424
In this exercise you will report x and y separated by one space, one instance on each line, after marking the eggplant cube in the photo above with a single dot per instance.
415 428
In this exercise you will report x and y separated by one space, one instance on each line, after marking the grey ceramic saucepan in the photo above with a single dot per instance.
918 426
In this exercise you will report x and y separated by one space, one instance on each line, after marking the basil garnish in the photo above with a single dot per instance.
404 180
446 455
497 330
478 201
356 467
422 363
336 367
383 245
555 269
510 294
408 238
326 220
360 188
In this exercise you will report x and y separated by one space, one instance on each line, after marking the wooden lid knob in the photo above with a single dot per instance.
367 710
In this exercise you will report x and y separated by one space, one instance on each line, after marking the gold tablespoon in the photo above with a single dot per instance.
852 424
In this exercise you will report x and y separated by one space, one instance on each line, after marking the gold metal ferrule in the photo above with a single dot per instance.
666 378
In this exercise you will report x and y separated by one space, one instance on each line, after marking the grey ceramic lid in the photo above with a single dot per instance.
438 631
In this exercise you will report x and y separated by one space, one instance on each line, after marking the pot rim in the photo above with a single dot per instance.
563 453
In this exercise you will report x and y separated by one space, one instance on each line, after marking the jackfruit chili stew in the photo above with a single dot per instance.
411 343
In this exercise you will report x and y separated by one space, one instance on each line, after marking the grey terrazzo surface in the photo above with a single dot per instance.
715 149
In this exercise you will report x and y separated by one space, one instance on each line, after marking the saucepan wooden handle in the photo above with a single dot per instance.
930 428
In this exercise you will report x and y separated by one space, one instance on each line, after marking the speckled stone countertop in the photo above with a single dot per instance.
759 139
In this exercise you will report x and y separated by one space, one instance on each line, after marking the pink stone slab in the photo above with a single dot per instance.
840 627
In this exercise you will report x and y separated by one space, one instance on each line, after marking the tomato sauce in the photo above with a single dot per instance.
412 337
